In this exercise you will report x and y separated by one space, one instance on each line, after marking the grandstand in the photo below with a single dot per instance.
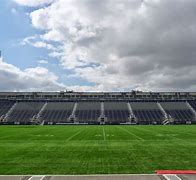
87 112
56 112
97 108
23 112
147 112
116 112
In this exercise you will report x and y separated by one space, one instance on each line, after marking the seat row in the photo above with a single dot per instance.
95 112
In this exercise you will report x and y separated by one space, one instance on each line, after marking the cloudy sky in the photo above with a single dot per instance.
98 45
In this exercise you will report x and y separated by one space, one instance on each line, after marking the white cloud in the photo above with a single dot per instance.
123 44
43 62
33 3
30 79
40 44
33 41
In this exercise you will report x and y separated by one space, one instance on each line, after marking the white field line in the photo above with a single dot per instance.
69 138
104 138
36 177
164 131
171 177
42 177
131 133
82 175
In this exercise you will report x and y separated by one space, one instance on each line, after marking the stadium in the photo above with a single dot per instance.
45 135
141 108
97 90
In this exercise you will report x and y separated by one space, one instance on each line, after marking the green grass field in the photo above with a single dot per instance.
96 149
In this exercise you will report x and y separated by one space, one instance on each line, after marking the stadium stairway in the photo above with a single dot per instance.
6 116
37 118
96 112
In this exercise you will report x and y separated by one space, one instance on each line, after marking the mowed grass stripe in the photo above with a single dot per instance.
37 133
75 134
115 133
131 133
181 131
153 133
163 133
45 149
90 133
104 138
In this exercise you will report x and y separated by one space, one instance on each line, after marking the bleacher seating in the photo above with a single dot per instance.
193 104
147 112
5 106
179 111
57 112
24 112
88 112
116 112
181 116
149 116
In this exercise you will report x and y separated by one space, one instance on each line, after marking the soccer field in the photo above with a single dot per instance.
96 149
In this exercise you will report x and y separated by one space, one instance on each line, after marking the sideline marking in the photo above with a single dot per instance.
131 133
104 138
171 177
36 178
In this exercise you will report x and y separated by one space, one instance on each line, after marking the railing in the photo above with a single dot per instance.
72 116
162 110
9 112
191 108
